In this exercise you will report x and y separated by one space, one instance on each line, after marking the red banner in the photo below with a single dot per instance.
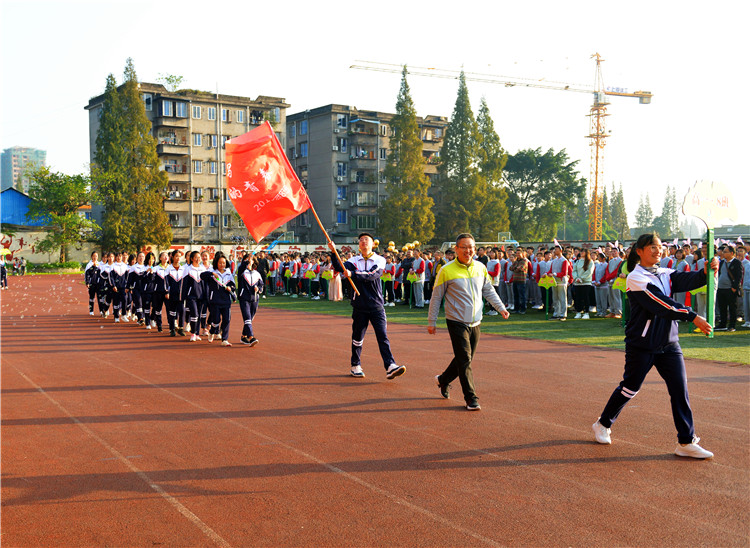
261 183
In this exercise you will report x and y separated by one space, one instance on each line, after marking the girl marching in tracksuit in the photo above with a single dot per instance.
105 284
203 307
91 277
219 293
191 291
118 279
175 307
651 341
128 309
136 282
250 286
148 289
159 288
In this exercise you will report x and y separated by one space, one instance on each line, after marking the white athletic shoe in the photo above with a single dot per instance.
148 327
153 323
125 319
117 320
585 316
692 450
601 434
210 337
356 371
226 343
578 316
394 371
492 313
91 313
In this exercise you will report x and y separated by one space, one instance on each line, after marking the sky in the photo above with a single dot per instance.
56 55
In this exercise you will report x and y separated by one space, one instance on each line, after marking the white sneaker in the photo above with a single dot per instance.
692 450
125 319
601 434
577 316
585 316
153 323
226 343
492 313
746 324
210 337
395 371
187 328
117 320
427 301
356 371
148 327
91 313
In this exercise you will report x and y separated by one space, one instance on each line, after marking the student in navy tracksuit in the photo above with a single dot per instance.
136 283
159 289
365 271
218 284
118 279
250 284
147 292
105 284
175 307
651 341
91 277
191 291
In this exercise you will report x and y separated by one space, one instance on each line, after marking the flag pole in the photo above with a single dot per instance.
328 239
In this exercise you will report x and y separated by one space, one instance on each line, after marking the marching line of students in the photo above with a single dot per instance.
197 296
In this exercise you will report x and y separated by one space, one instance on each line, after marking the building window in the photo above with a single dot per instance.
341 120
197 166
181 109
211 114
293 130
211 141
212 168
223 168
197 139
225 195
167 108
225 115
341 216
213 194
341 169
341 193
303 150
197 194
174 219
225 218
363 221
240 116
224 139
384 130
383 153
198 220
148 101
212 220
342 144
438 133
291 154
87 215
196 112
303 127
277 115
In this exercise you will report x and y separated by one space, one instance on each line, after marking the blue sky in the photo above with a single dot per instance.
56 55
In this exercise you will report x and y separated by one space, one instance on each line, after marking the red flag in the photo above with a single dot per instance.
261 183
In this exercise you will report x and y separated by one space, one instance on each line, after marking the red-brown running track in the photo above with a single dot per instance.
114 436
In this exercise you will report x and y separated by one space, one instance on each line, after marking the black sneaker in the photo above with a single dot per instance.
180 332
473 406
253 341
443 387
172 333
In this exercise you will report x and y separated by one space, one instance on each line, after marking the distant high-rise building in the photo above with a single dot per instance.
190 128
339 153
15 161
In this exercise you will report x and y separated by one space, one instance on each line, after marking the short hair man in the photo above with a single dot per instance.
365 271
460 283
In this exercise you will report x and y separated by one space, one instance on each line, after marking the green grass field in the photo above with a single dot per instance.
603 332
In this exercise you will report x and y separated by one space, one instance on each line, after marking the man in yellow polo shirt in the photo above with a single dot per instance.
462 283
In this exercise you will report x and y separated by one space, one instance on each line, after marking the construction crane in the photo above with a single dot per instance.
597 135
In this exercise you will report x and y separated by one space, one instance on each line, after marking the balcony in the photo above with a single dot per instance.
177 195
177 169
170 121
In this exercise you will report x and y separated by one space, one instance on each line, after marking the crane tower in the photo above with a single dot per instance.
597 132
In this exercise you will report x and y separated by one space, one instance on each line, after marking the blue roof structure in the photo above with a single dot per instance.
14 205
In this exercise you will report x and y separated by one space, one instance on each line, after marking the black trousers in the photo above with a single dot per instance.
248 309
670 364
157 303
376 317
221 316
726 300
464 340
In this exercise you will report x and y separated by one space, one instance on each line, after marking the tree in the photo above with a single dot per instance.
644 216
619 214
56 199
129 183
406 214
667 224
540 188
170 81
491 209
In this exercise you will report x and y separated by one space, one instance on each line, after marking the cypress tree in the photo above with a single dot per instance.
491 209
406 214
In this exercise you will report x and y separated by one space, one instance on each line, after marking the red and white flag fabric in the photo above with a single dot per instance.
261 182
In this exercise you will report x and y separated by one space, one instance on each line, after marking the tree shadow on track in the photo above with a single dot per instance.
36 489
358 407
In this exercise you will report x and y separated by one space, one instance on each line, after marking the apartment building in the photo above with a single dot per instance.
191 128
339 153
14 162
